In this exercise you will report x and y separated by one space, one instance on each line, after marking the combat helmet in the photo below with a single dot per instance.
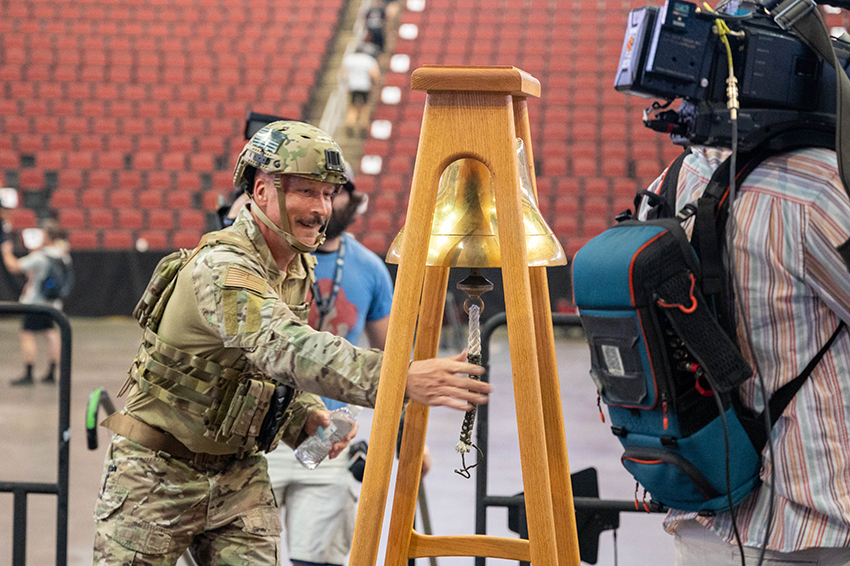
289 148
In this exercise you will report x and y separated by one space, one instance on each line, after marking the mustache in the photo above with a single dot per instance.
313 220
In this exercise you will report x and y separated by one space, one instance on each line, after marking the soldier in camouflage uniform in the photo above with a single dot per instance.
225 345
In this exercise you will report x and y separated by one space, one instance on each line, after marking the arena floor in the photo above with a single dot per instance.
102 350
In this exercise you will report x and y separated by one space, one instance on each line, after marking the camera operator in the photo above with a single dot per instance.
793 290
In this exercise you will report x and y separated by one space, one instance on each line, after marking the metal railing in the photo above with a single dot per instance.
21 490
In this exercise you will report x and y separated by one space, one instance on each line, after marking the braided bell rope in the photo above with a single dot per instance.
465 444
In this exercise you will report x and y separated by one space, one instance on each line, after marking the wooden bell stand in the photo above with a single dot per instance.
470 112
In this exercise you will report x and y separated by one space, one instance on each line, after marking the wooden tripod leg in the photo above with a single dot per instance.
523 348
550 388
416 420
393 380
553 418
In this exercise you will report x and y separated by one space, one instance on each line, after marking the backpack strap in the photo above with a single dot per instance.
782 396
709 242
663 203
754 423
712 212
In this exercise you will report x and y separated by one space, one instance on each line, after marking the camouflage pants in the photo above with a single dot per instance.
151 509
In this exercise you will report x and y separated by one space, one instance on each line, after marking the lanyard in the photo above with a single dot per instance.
325 304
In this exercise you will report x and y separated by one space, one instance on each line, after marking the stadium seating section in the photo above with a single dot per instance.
591 150
122 117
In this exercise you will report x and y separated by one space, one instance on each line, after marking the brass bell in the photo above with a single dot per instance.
464 232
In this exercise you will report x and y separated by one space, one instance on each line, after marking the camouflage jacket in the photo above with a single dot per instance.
229 303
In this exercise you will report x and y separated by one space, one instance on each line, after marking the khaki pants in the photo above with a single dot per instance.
698 546
151 509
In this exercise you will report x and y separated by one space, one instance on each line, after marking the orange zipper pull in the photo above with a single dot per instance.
664 409
599 406
637 507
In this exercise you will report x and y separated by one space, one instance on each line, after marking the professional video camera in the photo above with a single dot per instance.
676 52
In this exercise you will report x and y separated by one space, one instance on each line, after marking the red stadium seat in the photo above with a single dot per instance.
94 198
191 220
155 239
594 225
392 183
31 179
71 218
210 199
161 219
385 202
83 239
101 179
377 242
566 205
118 239
122 198
381 221
150 199
187 238
101 218
64 198
365 183
131 218
402 164
179 199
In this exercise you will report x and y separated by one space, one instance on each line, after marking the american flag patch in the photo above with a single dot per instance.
242 279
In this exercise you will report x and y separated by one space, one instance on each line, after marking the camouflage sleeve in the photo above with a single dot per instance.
296 415
240 305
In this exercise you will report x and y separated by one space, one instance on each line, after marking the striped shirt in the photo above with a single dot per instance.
790 215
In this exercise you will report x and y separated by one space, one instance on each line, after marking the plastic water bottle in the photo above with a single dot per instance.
312 451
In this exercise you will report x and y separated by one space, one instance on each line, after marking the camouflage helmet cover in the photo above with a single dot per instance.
292 148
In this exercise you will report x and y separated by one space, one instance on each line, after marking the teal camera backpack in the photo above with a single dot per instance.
658 315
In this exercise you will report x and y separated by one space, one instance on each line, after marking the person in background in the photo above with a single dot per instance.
359 70
36 266
391 10
375 20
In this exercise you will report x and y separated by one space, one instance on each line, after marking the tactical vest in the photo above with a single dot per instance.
238 406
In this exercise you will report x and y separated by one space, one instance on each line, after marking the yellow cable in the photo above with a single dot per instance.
723 30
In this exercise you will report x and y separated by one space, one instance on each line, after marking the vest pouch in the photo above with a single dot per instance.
618 359
666 474
163 276
272 428
244 417
690 473
301 311
613 277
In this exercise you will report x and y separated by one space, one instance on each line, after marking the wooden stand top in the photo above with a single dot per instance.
510 80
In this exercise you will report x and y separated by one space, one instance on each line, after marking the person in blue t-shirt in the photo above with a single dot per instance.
352 295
